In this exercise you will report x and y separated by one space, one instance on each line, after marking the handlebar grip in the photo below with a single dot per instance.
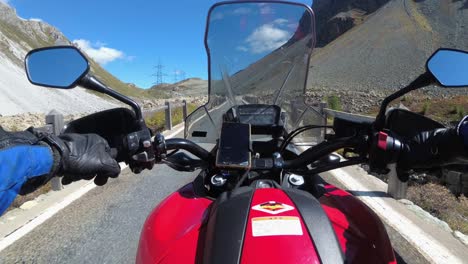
434 148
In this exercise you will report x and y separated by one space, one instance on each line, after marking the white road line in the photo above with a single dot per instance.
175 132
19 233
421 240
51 211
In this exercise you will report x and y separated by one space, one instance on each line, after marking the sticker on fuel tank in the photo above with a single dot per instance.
273 207
276 226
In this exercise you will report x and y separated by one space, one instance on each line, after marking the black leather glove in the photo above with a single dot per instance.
434 148
85 156
80 157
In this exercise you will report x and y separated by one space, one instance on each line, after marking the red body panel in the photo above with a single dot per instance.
173 233
276 248
360 231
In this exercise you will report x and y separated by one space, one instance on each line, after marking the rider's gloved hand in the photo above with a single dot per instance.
81 156
435 148
87 156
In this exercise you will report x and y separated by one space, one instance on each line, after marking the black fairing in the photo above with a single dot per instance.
226 227
319 226
407 124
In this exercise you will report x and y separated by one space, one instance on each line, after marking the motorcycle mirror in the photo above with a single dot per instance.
66 67
57 67
449 67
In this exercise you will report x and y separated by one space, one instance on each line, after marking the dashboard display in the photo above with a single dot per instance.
256 115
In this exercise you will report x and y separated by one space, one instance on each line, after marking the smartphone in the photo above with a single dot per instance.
234 146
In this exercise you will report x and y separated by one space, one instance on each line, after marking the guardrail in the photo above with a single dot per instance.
55 124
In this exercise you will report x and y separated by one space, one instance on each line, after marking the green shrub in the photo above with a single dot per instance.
425 108
334 102
460 112
157 122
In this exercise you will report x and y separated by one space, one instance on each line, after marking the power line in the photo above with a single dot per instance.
159 73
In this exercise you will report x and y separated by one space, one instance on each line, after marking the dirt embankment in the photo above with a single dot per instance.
149 104
23 121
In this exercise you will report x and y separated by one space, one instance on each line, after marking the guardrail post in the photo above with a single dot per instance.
324 105
55 119
184 109
396 188
168 116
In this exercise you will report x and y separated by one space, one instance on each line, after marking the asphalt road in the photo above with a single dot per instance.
103 226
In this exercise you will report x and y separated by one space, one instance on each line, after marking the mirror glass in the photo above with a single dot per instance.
449 67
58 67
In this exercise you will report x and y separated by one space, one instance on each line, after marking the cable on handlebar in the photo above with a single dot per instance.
350 162
242 179
320 150
296 132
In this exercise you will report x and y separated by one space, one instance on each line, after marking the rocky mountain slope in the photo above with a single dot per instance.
335 17
17 95
385 50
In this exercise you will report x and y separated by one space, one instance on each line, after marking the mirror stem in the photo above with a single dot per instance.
423 80
92 83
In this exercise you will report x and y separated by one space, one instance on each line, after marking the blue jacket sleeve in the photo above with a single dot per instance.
17 165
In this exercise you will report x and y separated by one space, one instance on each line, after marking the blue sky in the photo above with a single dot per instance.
129 37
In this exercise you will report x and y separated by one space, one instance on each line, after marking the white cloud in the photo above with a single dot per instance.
266 38
5 1
280 21
99 52
35 19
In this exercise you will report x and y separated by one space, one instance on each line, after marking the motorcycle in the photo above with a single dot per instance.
257 197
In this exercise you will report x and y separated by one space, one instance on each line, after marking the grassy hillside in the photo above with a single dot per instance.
116 84
193 87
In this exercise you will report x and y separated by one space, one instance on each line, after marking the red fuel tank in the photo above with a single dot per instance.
171 232
264 225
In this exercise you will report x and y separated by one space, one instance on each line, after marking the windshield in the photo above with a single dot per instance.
259 54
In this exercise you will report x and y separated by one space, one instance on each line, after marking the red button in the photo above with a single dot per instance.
382 141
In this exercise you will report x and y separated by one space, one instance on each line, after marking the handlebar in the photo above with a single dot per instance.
161 146
179 143
431 148
324 148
